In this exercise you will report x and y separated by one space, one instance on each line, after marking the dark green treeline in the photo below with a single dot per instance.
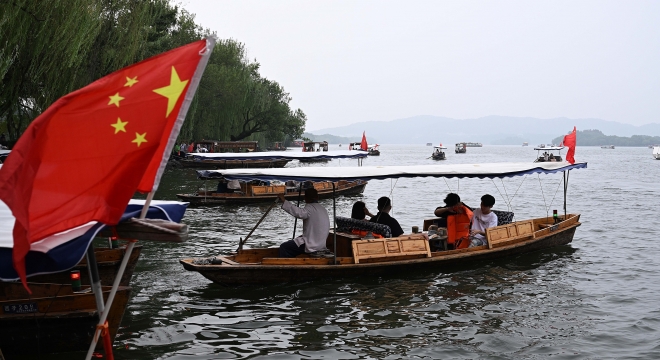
51 48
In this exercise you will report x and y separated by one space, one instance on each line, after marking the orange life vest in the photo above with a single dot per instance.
363 233
458 226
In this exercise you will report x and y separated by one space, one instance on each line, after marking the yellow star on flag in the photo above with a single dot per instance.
140 138
119 125
131 81
115 99
172 91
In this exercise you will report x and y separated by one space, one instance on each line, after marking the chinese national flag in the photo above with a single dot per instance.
569 141
85 157
363 144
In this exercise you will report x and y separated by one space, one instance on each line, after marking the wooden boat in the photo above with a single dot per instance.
107 261
195 161
253 193
374 150
461 148
607 147
376 257
53 319
354 256
439 153
548 155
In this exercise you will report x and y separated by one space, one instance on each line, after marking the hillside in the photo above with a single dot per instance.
597 138
490 130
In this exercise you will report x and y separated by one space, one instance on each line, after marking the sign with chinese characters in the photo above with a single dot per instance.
21 308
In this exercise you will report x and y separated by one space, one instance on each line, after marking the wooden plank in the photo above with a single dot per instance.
305 261
509 232
226 261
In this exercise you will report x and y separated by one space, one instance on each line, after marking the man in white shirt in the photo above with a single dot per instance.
483 219
316 225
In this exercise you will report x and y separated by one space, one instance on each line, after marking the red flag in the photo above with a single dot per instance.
84 158
569 141
363 144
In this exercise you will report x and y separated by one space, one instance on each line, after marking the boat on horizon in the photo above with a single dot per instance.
474 144
461 148
607 147
354 256
656 152
525 143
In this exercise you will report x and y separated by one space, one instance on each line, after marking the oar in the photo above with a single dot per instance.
242 241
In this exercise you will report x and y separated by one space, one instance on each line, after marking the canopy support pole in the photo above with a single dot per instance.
295 222
334 223
94 279
566 174
111 297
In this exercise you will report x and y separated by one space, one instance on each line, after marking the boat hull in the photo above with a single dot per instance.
232 164
439 156
235 198
108 262
64 322
251 274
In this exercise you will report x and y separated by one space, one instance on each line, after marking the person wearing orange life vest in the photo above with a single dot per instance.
458 217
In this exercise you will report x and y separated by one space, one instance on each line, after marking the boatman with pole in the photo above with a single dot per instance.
316 226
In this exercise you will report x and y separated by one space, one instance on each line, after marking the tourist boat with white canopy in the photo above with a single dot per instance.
548 154
656 152
242 192
354 256
439 153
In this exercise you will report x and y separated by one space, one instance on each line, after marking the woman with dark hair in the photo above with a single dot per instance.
360 211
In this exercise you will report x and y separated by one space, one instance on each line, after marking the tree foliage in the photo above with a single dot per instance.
597 138
49 51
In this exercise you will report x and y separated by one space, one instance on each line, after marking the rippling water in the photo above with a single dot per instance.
595 298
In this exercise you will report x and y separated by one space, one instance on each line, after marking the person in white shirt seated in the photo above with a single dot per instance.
483 219
316 226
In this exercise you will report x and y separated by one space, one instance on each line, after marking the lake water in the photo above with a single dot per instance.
595 298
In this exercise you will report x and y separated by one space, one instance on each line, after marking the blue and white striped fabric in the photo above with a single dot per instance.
63 251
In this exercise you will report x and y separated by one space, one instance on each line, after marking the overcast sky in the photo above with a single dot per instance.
350 61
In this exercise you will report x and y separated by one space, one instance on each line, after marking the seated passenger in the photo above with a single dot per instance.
458 217
360 211
316 226
552 157
383 216
483 219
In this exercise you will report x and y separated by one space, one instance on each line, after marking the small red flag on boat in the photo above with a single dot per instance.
569 141
85 157
363 144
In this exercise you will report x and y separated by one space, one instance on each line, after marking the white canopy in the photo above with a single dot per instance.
491 170
549 148
284 155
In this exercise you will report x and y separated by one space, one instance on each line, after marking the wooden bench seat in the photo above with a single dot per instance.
406 245
510 233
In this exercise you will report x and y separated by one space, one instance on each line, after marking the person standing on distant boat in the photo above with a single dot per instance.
483 218
383 216
316 226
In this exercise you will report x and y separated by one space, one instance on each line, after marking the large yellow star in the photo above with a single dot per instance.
140 138
172 91
119 126
115 99
130 82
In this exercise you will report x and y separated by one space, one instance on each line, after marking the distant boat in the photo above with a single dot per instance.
525 144
548 154
429 144
656 152
461 148
607 147
473 144
439 153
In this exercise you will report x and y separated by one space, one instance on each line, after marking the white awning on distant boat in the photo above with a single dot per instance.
283 155
550 148
491 170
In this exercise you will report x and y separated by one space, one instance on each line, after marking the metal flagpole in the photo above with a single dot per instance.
115 285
